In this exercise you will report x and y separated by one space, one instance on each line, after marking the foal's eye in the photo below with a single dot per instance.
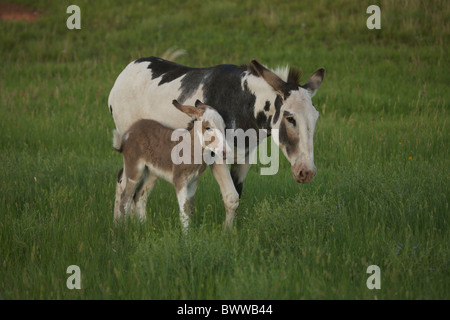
291 120
208 129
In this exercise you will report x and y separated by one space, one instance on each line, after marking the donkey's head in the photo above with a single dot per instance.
295 119
211 132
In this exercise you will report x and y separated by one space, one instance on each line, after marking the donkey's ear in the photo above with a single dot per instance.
314 82
271 78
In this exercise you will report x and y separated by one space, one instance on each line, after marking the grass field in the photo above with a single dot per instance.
380 196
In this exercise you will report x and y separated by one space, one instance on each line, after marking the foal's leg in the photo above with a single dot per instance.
230 195
120 187
133 176
185 195
142 195
127 196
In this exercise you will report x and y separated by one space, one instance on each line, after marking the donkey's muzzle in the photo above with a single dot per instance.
304 175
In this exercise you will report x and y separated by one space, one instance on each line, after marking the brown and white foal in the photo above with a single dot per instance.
148 149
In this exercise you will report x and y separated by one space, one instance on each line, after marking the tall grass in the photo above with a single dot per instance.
381 147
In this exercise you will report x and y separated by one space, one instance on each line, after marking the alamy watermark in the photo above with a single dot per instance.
374 21
74 280
238 147
74 20
374 281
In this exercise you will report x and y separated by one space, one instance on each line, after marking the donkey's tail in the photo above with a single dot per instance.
117 141
173 53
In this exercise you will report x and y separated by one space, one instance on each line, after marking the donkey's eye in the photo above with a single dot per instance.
208 129
291 120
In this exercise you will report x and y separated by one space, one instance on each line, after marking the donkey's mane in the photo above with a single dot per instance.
287 73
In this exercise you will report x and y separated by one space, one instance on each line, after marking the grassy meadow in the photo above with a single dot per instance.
380 196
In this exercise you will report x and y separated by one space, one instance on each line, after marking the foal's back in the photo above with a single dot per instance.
150 141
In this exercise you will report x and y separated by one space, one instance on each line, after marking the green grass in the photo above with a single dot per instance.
380 196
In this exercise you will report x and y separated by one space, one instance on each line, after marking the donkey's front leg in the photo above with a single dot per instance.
228 190
238 174
239 171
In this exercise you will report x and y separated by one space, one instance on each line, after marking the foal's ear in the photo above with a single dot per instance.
191 111
314 82
175 103
201 105
198 103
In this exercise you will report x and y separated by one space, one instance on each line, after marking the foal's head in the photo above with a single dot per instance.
211 132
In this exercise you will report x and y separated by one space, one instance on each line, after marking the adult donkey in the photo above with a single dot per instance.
247 97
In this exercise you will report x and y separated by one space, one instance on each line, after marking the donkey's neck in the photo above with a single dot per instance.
267 102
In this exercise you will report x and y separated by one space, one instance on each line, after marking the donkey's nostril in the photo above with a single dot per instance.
304 174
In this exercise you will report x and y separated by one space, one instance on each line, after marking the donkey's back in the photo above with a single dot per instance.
146 87
138 94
